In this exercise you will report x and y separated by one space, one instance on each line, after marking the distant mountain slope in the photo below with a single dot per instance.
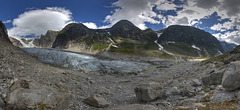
227 57
190 41
227 47
123 37
46 41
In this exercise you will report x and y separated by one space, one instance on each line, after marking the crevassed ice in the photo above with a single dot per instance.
85 62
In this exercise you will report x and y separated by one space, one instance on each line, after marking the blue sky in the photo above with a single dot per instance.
34 17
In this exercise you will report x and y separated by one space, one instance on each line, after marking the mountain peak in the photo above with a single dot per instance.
75 26
124 24
126 29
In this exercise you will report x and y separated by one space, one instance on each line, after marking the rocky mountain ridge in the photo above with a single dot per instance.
125 38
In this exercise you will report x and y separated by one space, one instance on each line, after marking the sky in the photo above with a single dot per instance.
28 18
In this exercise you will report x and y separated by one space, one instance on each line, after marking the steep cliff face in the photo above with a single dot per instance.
79 38
3 33
190 41
46 41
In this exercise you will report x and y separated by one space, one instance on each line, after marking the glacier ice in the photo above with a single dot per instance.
85 62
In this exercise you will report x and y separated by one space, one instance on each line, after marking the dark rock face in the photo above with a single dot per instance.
149 33
72 32
46 40
126 29
15 42
3 32
208 44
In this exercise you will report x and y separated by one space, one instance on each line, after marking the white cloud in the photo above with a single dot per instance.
91 25
37 22
7 21
167 5
232 37
222 27
136 11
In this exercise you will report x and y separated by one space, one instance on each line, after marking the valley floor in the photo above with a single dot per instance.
180 82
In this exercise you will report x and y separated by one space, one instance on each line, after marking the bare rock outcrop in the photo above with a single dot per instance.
28 94
231 77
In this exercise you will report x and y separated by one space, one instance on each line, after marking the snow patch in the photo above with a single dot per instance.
111 40
115 46
171 42
20 40
193 46
161 47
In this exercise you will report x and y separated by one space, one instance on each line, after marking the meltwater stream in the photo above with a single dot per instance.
85 62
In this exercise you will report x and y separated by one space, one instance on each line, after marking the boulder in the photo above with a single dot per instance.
196 83
237 95
28 94
148 91
214 78
96 100
187 90
134 107
2 104
231 77
188 102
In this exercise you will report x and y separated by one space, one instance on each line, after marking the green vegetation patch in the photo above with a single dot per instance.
147 49
181 48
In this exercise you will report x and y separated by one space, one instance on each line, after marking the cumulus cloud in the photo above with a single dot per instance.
166 5
232 37
136 11
231 6
38 21
91 25
222 27
207 4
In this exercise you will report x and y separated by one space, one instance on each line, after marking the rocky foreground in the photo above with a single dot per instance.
27 83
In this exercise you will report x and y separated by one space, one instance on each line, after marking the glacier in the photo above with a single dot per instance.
86 63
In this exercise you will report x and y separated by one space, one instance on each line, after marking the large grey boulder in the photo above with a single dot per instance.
148 91
134 107
231 77
214 78
96 100
2 104
28 94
